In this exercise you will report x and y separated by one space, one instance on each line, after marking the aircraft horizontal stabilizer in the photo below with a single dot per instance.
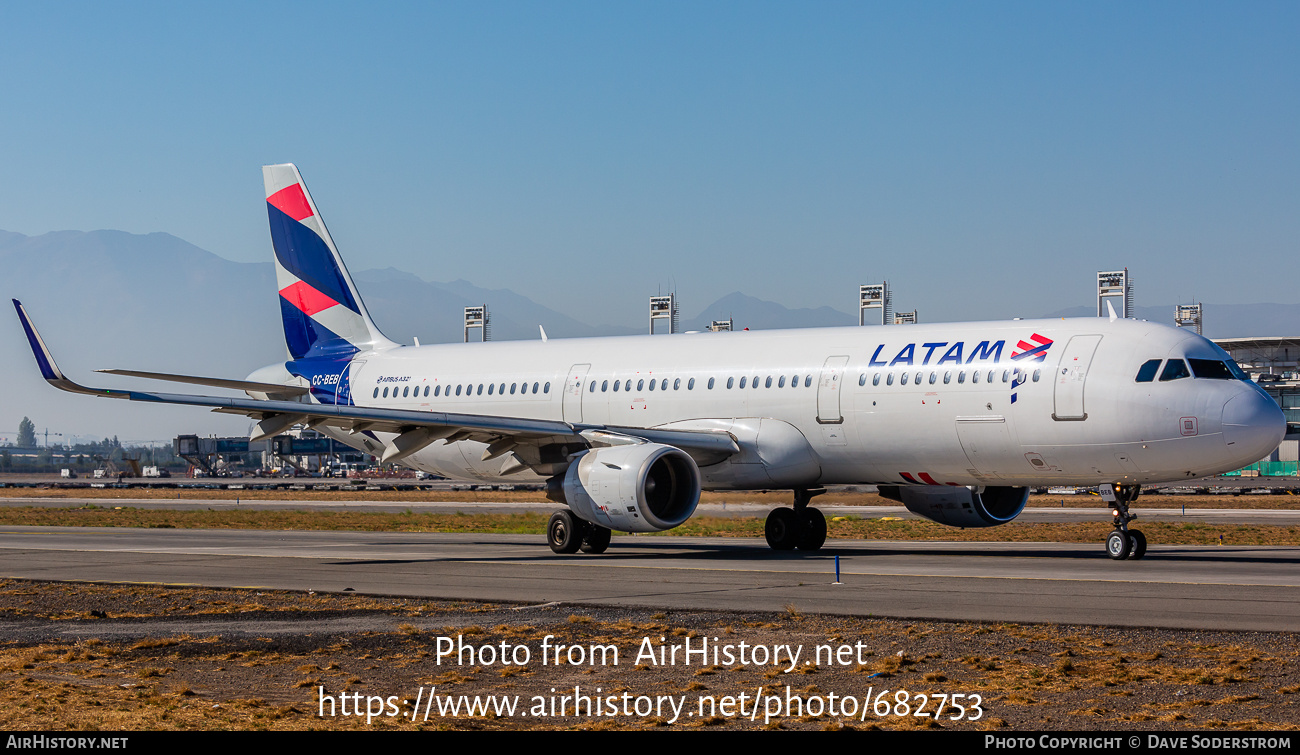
238 385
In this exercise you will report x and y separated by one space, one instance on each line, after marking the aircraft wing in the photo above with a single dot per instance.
276 416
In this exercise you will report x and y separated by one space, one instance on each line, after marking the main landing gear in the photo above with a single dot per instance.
801 527
1123 542
566 533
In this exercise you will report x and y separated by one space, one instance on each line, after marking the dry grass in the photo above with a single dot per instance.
710 526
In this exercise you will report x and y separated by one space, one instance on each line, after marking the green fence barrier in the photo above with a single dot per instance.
1268 469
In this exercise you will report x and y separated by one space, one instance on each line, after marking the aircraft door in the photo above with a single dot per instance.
829 388
343 388
573 392
1071 374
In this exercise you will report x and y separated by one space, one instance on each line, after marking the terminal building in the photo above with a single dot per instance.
1274 363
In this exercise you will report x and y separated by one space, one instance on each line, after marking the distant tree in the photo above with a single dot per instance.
26 433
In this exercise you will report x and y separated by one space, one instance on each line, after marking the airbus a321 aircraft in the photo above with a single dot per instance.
955 421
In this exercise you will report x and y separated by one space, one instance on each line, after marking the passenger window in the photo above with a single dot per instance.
754 383
546 388
780 383
480 389
690 384
731 381
768 382
458 390
1037 373
592 389
947 377
961 377
426 391
604 386
437 390
502 389
406 391
903 380
862 379
1174 369
918 378
794 382
875 380
742 382
1005 375
990 376
933 377
975 376
807 381
376 392
663 386
640 385
652 385
616 382
677 384
710 383
889 379
490 387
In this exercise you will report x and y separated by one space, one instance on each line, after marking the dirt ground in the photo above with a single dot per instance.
79 657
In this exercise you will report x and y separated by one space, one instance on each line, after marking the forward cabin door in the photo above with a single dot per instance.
573 393
1071 376
829 388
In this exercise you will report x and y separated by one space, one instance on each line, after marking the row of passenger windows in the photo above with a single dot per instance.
662 384
468 389
1201 368
756 381
975 377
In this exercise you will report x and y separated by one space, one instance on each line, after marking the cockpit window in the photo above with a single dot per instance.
1174 369
1217 370
1147 372
1210 368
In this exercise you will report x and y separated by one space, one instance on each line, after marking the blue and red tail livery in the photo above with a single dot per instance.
322 312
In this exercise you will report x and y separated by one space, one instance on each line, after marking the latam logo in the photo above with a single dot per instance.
1029 352
958 352
1036 351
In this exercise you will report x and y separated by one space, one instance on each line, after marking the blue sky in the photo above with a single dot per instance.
985 158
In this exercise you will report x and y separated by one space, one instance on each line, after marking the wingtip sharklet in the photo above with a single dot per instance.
45 360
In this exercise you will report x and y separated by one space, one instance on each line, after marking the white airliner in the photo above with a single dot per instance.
956 421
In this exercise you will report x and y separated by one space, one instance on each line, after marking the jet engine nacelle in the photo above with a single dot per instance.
643 487
960 506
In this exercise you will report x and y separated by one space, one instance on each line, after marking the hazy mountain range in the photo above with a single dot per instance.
156 302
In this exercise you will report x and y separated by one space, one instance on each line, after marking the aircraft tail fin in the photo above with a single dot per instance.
321 309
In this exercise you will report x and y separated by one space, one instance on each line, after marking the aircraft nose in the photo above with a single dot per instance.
1253 424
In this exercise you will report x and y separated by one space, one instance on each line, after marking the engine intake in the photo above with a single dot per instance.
645 487
960 506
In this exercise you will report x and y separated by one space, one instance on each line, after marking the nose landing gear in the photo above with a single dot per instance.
1123 542
801 527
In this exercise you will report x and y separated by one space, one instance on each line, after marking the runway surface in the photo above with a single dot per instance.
1192 587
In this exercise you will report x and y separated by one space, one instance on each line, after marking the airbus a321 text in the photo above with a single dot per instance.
955 421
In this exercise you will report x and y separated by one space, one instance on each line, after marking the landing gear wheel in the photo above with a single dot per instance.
1117 545
596 539
564 532
783 530
814 534
1137 544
